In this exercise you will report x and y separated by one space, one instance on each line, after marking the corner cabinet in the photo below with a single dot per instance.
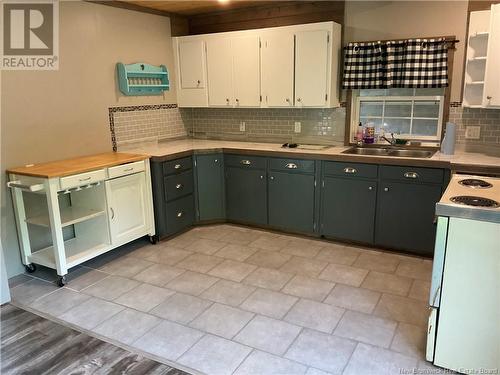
210 187
290 66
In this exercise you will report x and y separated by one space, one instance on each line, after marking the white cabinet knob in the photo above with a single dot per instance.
370 188
386 189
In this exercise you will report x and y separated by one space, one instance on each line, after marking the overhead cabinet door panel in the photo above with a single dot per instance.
492 75
192 64
246 72
311 68
277 69
219 68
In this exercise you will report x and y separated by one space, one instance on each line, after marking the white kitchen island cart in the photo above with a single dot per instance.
90 205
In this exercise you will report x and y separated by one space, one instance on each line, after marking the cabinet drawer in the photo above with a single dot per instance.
125 169
82 179
180 214
254 162
350 169
178 185
292 165
412 174
177 166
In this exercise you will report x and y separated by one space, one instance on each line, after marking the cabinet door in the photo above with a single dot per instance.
311 68
492 74
246 71
219 69
277 69
192 64
291 201
405 216
210 186
246 195
348 208
128 214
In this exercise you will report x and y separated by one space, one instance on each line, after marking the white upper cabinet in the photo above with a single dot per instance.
491 96
311 68
277 69
219 68
290 66
191 72
246 71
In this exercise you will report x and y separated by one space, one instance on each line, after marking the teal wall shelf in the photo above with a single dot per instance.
142 79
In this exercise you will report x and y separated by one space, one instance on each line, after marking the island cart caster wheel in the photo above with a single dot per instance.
30 268
61 281
153 240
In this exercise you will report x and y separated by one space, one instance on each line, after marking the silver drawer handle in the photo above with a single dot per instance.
112 213
411 175
85 179
291 166
177 166
180 214
128 169
246 162
179 186
350 170
370 188
386 189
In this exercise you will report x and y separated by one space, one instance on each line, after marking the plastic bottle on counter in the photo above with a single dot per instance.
369 136
359 133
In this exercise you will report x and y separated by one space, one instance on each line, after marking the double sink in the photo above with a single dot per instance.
389 151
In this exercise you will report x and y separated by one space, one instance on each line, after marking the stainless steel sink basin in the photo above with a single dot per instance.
383 151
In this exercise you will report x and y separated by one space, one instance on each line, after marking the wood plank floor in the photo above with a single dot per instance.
31 344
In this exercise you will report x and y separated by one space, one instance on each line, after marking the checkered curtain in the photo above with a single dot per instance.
412 63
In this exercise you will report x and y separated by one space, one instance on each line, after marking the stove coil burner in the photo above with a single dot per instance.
474 201
475 183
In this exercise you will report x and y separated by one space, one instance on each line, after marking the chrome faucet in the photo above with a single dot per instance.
391 141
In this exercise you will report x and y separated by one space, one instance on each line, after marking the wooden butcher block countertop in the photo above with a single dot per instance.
67 167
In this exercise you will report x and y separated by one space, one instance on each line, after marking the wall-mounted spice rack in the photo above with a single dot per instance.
142 79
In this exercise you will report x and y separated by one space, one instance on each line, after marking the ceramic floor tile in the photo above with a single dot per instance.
267 364
169 255
343 274
205 246
168 340
410 340
181 308
420 290
269 303
372 360
352 298
303 248
200 262
215 355
420 270
403 309
211 232
322 351
304 267
315 371
60 301
338 254
268 259
126 266
308 287
377 262
383 282
158 274
32 290
239 238
91 313
222 320
269 242
127 326
145 251
268 278
236 252
228 292
84 277
271 335
191 283
314 315
144 297
111 287
180 241
366 328
18 280
232 270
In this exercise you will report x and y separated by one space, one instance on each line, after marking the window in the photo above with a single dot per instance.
410 113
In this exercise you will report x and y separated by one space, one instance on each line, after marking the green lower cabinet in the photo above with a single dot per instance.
405 216
348 209
246 195
210 186
291 201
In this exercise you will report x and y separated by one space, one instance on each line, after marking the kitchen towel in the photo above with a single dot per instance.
450 135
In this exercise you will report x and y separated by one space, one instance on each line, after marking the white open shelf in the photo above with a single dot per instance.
78 250
69 216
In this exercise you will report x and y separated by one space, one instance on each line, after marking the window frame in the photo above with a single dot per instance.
356 100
